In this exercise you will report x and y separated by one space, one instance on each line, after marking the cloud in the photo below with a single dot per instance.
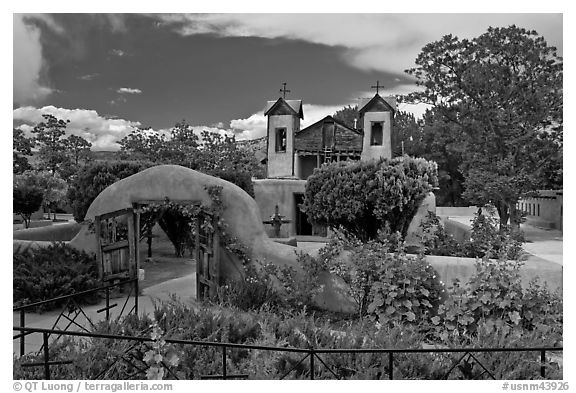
88 77
117 52
128 90
102 132
380 42
29 64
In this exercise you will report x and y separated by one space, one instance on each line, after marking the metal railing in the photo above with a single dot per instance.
310 354
72 305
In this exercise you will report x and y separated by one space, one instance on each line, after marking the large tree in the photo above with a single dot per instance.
503 90
52 145
21 148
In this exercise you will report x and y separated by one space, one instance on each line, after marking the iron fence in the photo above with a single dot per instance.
312 355
73 308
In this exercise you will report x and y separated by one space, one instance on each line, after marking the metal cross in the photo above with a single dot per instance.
283 90
377 87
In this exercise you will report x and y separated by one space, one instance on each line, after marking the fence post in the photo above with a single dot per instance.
137 289
543 363
312 363
107 304
224 362
22 323
46 356
390 365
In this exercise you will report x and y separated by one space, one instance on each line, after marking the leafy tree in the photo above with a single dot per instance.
405 135
27 199
78 148
52 144
211 153
93 179
364 197
503 90
347 115
53 188
21 147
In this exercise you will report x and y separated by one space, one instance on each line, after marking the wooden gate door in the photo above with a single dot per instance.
117 249
207 257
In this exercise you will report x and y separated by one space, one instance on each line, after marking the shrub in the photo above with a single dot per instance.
363 196
391 286
494 300
48 272
486 239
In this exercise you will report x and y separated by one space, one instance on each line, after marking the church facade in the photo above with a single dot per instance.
293 153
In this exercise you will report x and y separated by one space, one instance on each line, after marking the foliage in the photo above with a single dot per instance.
79 148
495 302
348 115
93 179
27 199
503 91
21 147
362 197
392 287
49 135
179 320
486 239
211 153
48 272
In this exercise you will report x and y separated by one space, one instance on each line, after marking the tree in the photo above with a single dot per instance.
91 180
53 188
21 147
405 135
52 144
27 199
348 115
211 153
364 197
503 90
78 148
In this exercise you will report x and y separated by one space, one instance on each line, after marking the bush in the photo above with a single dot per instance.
363 196
48 272
174 319
93 179
494 301
486 239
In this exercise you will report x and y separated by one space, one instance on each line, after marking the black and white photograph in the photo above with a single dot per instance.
287 196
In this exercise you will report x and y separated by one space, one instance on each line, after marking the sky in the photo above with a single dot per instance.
111 73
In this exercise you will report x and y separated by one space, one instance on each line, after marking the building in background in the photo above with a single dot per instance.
544 210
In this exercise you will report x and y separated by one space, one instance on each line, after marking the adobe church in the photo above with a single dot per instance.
293 153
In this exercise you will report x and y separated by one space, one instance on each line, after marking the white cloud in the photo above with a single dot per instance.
381 42
88 77
28 63
102 132
128 90
117 52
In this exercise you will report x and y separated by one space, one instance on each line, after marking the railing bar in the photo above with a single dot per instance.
89 291
107 308
481 365
325 365
117 359
46 356
543 363
312 364
22 323
297 364
224 362
83 313
454 365
125 302
51 363
390 365
73 321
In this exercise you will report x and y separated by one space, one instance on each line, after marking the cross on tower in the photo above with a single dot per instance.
283 90
377 87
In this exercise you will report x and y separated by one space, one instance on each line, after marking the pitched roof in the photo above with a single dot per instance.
359 132
295 105
390 102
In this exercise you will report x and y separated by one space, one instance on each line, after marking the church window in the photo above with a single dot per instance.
280 139
376 135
